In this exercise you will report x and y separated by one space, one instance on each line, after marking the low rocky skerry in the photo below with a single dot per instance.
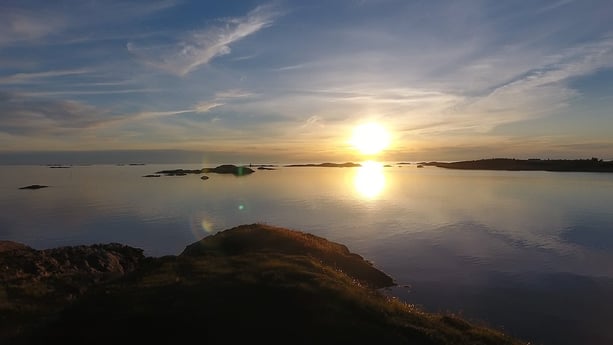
221 169
328 165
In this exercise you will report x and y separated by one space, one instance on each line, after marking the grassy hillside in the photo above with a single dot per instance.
250 284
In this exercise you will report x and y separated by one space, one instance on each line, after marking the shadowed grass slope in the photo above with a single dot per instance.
254 283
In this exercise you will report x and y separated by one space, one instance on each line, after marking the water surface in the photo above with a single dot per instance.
528 252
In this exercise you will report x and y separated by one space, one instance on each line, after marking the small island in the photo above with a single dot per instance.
328 165
568 165
34 186
250 284
221 169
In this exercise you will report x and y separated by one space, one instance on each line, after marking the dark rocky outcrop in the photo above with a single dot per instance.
21 263
569 165
230 169
152 175
258 238
328 165
250 284
222 169
34 186
36 283
180 172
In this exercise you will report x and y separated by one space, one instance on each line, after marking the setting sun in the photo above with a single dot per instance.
370 138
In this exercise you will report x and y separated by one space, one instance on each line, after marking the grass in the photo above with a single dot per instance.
250 284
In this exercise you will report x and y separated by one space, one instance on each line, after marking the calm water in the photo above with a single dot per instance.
527 252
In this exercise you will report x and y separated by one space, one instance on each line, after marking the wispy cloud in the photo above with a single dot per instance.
88 92
204 107
21 114
35 77
541 90
314 120
20 24
201 107
200 47
554 6
289 68
233 93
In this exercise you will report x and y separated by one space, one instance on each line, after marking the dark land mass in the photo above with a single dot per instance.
222 169
404 163
250 284
152 175
570 165
266 168
180 172
328 165
263 165
59 167
34 186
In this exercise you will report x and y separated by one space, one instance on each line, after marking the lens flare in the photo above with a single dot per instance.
201 226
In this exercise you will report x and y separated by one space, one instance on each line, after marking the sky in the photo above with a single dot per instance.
287 81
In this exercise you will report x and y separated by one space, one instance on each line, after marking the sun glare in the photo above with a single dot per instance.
370 138
369 180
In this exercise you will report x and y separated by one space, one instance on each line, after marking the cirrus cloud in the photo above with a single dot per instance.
198 48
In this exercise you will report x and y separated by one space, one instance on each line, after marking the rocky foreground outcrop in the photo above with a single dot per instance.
251 239
251 284
37 283
22 264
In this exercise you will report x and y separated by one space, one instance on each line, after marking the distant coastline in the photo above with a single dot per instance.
511 164
328 165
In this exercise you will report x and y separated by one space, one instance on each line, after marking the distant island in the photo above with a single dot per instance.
250 284
328 165
222 169
569 165
34 186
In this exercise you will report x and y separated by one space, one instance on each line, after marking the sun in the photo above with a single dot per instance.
370 138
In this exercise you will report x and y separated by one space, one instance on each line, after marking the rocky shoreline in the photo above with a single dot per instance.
252 283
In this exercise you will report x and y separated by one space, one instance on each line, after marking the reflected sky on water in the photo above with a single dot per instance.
512 249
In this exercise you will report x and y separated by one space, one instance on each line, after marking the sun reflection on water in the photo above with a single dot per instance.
369 180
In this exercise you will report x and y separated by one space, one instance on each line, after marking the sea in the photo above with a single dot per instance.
526 252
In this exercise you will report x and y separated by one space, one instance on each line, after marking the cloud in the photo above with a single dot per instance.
204 107
289 68
313 121
541 90
201 107
19 24
88 92
22 78
232 93
553 6
200 47
21 114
